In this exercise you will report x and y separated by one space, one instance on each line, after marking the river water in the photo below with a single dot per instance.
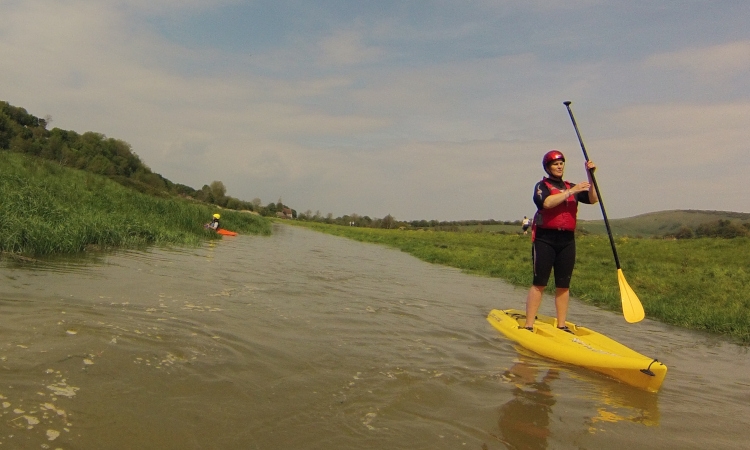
303 340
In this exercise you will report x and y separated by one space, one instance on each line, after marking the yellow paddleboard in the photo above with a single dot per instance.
585 348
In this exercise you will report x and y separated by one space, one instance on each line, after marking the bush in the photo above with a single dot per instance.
684 233
722 229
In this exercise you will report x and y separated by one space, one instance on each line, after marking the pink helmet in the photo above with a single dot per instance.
551 156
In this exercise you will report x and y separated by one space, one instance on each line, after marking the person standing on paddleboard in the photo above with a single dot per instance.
553 234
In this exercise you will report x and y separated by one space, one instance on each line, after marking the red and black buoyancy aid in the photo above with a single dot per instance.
562 216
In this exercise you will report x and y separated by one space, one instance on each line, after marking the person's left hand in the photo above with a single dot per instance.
590 166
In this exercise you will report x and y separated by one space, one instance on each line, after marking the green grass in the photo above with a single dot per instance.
495 228
700 284
49 209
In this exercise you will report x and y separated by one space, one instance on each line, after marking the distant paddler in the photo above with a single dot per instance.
214 224
525 224
553 234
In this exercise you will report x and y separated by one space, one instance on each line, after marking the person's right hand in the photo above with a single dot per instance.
583 186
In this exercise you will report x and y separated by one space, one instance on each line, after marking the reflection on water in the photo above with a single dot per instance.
524 420
617 405
303 340
78 263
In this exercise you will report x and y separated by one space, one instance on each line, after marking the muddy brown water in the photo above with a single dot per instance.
302 340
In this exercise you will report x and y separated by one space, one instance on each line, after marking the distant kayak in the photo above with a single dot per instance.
226 232
584 347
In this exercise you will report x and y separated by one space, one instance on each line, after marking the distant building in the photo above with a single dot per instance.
285 213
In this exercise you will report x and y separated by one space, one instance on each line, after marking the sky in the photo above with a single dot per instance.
418 109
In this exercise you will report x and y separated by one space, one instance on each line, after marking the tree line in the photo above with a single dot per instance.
722 228
25 133
390 222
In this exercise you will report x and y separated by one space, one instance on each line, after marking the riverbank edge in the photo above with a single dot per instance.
699 285
48 209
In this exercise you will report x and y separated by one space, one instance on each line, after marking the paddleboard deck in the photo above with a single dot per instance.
583 347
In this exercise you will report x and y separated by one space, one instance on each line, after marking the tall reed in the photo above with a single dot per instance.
46 209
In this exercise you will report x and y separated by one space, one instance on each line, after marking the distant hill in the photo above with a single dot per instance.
663 222
24 133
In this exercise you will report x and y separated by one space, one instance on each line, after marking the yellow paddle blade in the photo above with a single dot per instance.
631 306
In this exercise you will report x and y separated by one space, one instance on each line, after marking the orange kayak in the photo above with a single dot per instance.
226 232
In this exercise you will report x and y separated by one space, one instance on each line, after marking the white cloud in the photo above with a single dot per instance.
669 156
711 64
342 122
166 7
347 47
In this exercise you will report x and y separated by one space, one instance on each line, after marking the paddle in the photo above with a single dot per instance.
631 306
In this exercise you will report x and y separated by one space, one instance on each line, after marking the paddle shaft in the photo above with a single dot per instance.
596 187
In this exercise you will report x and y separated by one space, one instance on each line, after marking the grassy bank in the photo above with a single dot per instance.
46 209
695 283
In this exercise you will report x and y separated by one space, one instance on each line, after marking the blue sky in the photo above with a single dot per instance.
419 109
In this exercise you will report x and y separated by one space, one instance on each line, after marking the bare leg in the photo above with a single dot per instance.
533 300
562 295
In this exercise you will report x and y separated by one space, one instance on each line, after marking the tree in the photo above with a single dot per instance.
218 189
233 203
204 194
182 189
721 229
684 233
101 165
388 222
6 130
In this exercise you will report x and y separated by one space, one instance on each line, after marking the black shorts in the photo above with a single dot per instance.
553 249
